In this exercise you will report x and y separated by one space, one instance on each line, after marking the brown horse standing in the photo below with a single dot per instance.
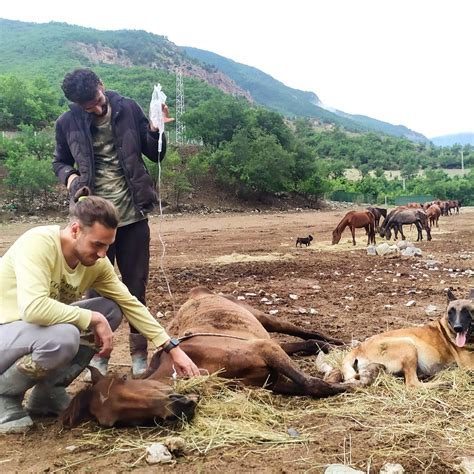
356 220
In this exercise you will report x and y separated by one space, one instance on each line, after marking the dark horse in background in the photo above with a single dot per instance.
399 217
356 220
378 213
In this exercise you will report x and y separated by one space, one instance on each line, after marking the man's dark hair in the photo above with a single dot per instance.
80 85
91 209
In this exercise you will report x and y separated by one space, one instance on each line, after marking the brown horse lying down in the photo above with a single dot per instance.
417 351
218 333
114 400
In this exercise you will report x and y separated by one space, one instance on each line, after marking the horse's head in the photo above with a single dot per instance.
388 233
336 237
132 402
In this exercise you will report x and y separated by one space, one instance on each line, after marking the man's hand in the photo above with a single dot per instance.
104 337
166 118
70 180
166 114
182 363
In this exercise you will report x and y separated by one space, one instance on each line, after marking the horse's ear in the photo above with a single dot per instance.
153 365
78 409
96 376
450 296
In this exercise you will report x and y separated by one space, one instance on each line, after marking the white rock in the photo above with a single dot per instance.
410 303
371 250
264 299
392 468
250 294
467 465
159 314
431 310
273 311
240 298
313 311
402 244
341 469
382 249
302 310
293 297
412 252
158 453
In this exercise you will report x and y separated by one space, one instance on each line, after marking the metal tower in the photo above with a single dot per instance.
180 130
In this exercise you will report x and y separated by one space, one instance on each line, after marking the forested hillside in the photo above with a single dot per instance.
247 149
290 102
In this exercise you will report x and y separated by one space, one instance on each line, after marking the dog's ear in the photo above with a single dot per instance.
450 296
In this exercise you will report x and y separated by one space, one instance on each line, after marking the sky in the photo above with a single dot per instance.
406 62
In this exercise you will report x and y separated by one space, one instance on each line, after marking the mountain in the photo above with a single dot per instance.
52 49
458 138
275 95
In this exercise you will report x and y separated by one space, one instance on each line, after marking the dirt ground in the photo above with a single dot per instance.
340 290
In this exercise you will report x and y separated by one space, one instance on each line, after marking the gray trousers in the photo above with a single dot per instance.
50 346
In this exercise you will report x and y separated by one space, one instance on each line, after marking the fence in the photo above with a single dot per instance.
345 196
421 198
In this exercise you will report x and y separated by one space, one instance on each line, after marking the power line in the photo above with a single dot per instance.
180 129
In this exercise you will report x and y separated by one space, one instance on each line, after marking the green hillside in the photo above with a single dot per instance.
134 60
273 94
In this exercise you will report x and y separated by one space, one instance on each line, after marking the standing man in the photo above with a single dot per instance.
42 277
99 144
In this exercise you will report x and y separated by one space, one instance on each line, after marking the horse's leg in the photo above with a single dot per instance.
372 233
273 324
353 234
309 347
418 228
428 231
400 228
368 233
291 380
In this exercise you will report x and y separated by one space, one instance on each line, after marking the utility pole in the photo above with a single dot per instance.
180 130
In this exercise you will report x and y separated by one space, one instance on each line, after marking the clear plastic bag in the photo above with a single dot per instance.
157 118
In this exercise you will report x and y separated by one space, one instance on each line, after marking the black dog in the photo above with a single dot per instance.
304 240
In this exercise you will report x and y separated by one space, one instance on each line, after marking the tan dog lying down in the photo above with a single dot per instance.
418 351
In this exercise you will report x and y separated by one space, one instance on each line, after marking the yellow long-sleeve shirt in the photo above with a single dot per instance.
37 286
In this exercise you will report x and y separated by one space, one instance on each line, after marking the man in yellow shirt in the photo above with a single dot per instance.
42 278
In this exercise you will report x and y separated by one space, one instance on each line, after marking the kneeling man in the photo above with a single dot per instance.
44 322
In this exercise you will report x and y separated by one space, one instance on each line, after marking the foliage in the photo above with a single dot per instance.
250 150
31 103
28 163
176 175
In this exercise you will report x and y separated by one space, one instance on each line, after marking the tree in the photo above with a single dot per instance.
21 102
216 120
253 163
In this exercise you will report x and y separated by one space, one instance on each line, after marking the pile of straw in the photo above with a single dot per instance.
384 422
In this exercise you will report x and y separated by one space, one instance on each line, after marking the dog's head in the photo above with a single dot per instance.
460 318
310 238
